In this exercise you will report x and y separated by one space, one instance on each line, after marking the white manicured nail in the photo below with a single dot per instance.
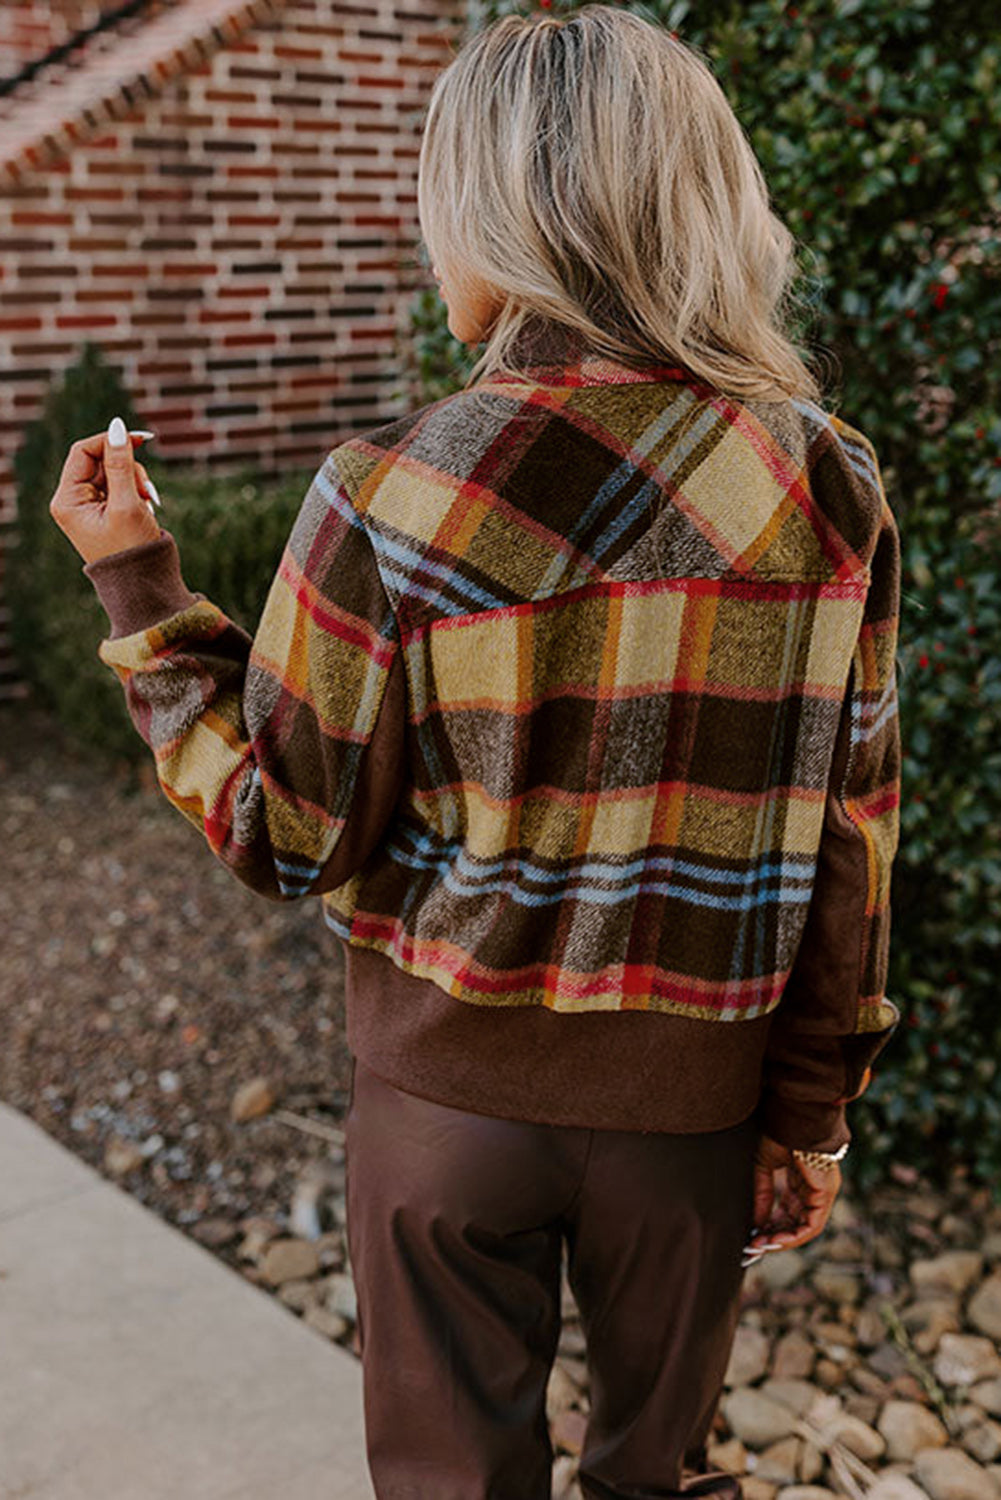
151 510
142 432
117 433
152 489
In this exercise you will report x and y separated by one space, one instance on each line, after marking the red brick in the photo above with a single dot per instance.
90 320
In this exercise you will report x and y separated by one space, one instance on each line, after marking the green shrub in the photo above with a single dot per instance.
879 133
230 530
936 1098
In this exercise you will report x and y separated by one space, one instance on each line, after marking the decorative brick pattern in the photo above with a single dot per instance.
224 196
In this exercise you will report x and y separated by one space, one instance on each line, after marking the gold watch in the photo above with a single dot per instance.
825 1159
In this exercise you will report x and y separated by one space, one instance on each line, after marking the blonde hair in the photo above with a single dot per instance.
589 171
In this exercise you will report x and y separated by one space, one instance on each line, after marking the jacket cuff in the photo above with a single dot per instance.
141 586
811 1127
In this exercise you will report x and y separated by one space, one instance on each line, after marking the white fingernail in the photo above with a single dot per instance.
142 432
152 489
117 433
151 510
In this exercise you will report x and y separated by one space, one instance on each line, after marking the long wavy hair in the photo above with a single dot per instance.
589 171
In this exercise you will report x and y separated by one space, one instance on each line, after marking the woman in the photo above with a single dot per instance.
574 701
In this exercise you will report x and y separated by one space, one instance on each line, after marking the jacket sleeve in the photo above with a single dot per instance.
834 1017
286 750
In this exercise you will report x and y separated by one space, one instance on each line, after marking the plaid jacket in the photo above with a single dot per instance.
572 692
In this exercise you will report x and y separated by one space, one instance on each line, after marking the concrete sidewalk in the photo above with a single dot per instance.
134 1365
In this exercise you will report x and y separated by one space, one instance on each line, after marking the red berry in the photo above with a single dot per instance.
914 160
979 432
971 630
933 1049
959 581
938 646
923 659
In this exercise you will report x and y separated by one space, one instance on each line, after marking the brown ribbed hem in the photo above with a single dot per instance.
141 586
610 1070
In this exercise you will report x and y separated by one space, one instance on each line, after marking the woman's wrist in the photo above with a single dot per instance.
140 586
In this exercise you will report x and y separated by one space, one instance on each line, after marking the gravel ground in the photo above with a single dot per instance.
142 986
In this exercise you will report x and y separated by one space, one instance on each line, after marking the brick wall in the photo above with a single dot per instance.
32 27
242 242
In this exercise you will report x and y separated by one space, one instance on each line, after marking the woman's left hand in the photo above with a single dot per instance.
792 1199
100 502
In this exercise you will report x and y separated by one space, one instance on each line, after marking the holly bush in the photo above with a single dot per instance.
936 1090
878 129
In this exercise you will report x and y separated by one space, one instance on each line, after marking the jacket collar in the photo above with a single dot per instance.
552 353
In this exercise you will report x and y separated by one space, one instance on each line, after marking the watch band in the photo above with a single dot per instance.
824 1159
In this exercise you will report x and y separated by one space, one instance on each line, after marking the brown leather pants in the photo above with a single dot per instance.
455 1225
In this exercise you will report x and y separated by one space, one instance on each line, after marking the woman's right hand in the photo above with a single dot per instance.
792 1200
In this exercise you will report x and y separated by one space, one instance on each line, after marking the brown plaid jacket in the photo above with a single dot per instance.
573 694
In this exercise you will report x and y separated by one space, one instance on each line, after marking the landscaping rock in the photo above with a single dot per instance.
793 1357
731 1456
982 1441
748 1356
836 1283
797 1394
252 1099
779 1462
955 1270
757 1419
987 1393
908 1426
951 1474
895 1486
963 1358
860 1438
984 1307
289 1260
